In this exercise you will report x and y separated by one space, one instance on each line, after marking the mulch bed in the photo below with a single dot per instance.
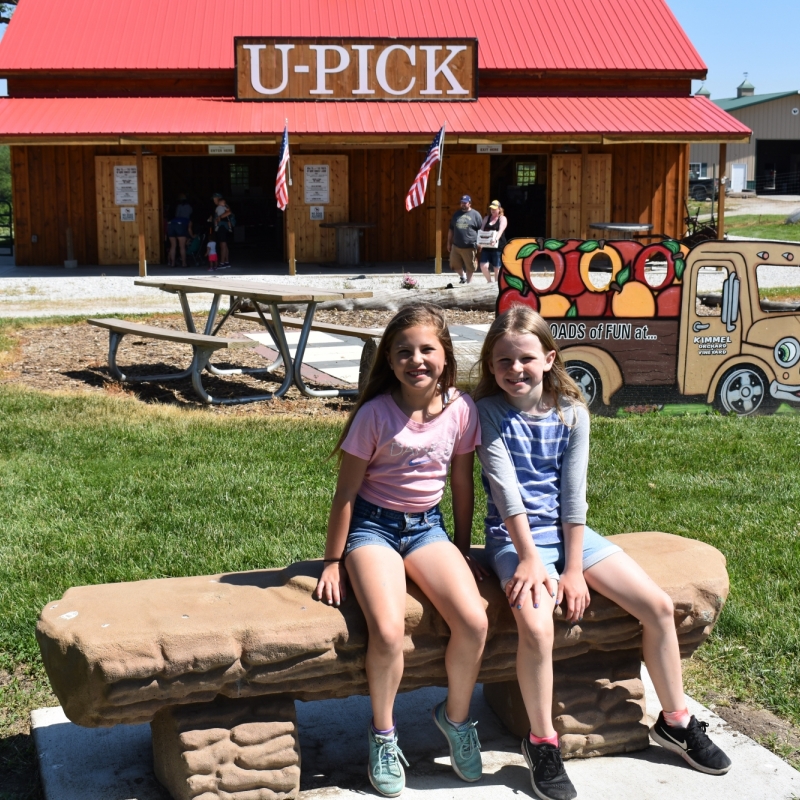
75 358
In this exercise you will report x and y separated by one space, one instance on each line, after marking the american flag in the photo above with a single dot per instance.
416 194
281 189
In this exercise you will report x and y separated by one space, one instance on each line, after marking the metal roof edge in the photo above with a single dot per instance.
735 103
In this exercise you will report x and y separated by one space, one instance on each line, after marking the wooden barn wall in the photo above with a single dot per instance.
54 187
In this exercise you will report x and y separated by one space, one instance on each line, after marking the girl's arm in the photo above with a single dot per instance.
530 575
331 586
572 586
462 489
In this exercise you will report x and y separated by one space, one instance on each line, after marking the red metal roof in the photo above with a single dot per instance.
690 118
198 34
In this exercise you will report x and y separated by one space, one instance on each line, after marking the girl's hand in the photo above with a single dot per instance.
331 588
572 588
478 572
530 576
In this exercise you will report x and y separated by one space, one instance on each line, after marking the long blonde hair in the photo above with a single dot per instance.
381 377
521 319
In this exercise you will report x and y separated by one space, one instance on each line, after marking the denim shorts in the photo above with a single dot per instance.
503 558
403 533
491 256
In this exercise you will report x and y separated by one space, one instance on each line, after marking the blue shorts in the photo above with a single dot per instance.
178 226
503 558
403 533
491 256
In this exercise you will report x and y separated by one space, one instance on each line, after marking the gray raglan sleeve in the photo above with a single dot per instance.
574 467
497 464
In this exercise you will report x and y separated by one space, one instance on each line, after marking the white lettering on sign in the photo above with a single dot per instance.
316 186
443 68
380 69
323 70
605 330
126 186
712 345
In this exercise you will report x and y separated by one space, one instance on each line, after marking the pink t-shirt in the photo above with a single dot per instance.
408 461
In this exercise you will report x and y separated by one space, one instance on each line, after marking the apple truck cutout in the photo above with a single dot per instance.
660 321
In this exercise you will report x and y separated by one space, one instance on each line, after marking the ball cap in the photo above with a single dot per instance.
465 198
494 204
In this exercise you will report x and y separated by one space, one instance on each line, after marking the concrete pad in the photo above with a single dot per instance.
115 764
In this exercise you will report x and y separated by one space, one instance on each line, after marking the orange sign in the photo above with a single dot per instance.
356 69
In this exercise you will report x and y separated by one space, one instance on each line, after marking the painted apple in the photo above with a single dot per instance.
589 250
668 302
572 285
554 305
512 297
591 304
663 251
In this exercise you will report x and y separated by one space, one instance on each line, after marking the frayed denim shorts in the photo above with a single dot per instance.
503 559
403 533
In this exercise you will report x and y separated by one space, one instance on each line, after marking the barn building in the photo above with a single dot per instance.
567 111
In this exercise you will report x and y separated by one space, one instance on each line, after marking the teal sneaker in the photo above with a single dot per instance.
386 772
465 749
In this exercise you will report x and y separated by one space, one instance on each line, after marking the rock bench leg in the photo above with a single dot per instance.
233 749
598 704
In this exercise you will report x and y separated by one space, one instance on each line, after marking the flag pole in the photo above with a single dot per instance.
290 236
438 257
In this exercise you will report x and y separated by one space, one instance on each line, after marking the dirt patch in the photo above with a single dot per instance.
75 358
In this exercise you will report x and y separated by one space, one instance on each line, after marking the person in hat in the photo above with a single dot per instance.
489 257
462 240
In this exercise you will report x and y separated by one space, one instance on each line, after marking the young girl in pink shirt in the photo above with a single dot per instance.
409 426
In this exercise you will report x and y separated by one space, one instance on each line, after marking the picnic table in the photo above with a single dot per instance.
258 293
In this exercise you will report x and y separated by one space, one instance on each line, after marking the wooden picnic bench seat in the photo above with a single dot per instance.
215 662
203 347
324 327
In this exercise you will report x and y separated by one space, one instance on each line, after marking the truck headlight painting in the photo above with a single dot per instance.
787 352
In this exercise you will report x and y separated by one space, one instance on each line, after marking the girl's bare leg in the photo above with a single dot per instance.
173 242
621 579
535 662
486 270
442 574
379 582
182 245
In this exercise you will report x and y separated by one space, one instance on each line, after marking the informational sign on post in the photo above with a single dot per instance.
317 184
127 214
126 187
222 149
318 213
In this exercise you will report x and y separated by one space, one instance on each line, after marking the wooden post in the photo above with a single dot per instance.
723 182
438 261
290 243
140 212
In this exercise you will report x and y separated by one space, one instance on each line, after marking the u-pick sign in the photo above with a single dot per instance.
356 69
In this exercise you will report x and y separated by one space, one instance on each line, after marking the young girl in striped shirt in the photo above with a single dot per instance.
534 453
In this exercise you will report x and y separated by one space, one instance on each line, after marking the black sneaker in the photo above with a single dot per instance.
548 777
693 744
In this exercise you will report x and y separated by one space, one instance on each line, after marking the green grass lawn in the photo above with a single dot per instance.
762 226
96 488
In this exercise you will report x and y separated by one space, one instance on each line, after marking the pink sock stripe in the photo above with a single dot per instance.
678 719
553 740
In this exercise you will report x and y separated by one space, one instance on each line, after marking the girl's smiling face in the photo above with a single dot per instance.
417 358
518 364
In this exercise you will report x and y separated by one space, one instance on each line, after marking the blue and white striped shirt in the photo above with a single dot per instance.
534 466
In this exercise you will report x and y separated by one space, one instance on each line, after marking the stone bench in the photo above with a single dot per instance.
215 663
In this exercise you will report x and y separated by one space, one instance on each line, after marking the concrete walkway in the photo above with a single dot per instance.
116 763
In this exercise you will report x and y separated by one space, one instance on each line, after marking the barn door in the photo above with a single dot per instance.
565 196
117 225
580 193
319 193
461 174
596 199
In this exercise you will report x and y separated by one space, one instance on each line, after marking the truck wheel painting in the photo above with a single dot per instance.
661 321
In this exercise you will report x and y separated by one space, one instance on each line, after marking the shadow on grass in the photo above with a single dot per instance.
19 769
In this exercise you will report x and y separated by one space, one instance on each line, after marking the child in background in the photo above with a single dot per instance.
211 255
534 454
410 424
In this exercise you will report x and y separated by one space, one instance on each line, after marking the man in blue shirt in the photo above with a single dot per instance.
462 240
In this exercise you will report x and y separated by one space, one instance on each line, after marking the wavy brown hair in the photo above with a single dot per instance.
521 319
381 377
